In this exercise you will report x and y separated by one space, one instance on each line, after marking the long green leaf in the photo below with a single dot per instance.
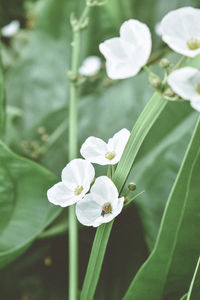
144 123
194 290
169 268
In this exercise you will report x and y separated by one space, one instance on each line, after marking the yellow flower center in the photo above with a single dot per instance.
78 190
193 44
198 88
106 209
110 155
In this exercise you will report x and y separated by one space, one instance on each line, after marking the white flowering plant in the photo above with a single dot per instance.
89 166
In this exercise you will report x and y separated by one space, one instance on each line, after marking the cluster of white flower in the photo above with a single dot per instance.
102 204
180 29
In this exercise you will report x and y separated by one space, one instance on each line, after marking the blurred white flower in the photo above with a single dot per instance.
157 29
185 82
90 66
76 179
97 151
127 54
101 205
10 29
181 30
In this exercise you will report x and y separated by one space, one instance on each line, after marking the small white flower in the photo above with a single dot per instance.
181 30
10 29
76 179
101 205
90 66
185 82
97 151
127 54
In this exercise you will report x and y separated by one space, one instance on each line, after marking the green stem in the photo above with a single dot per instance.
179 63
73 136
73 141
140 130
2 106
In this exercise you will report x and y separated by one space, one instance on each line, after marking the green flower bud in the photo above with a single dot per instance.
165 63
132 186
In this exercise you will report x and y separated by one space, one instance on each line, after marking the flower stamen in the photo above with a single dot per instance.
193 44
110 155
198 88
106 209
78 190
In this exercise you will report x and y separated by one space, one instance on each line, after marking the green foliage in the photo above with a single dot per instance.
25 211
177 246
37 95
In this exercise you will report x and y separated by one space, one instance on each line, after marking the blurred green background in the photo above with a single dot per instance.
36 60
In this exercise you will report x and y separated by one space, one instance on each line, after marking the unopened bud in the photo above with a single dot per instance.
169 92
132 186
156 82
165 63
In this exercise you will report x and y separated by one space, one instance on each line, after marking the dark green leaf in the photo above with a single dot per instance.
25 210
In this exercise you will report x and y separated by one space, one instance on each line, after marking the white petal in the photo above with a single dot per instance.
10 29
88 210
90 66
60 195
138 35
184 82
94 150
179 26
78 172
195 105
126 55
117 144
104 190
118 64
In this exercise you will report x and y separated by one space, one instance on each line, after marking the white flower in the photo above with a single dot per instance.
181 30
101 205
90 66
10 29
76 179
185 82
97 151
127 54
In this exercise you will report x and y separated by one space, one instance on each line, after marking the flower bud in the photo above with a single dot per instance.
169 92
132 186
164 63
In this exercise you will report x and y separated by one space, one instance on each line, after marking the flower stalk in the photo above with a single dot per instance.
73 141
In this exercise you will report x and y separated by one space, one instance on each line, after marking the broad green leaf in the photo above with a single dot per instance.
25 210
166 274
194 290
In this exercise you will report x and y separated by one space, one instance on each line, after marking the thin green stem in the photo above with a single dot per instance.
2 106
179 63
73 141
73 226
